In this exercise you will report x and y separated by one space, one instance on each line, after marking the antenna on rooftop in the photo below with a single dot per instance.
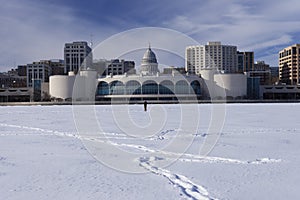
91 43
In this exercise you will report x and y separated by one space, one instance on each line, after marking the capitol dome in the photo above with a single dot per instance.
149 65
149 56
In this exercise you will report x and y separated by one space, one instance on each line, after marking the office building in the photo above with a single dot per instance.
113 67
214 55
42 70
241 61
38 71
261 66
119 67
22 70
262 71
8 80
264 76
194 59
57 66
245 61
289 65
77 55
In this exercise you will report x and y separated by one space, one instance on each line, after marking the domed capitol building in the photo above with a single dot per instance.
149 85
149 64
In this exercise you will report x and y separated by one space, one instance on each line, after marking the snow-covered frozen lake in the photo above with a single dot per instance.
47 153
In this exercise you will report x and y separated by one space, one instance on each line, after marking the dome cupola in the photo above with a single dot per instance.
149 64
149 56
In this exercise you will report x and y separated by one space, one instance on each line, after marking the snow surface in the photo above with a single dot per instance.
42 155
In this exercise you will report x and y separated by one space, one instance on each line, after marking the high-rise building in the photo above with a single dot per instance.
229 59
194 59
241 61
42 70
289 65
245 61
214 55
77 55
38 71
248 61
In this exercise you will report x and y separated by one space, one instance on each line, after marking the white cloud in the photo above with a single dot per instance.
253 26
271 59
31 31
285 39
35 30
169 45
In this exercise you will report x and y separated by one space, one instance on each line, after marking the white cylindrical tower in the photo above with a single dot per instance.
61 86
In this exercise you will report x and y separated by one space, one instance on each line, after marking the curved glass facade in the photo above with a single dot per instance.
116 87
150 87
182 87
103 88
166 87
133 87
195 85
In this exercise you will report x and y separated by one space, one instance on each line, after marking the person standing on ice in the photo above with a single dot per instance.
145 105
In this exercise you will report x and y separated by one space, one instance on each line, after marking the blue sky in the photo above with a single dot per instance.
32 30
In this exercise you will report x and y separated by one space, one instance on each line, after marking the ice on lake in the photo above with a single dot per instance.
122 152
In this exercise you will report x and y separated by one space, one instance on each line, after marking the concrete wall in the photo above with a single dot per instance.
85 86
61 86
235 85
79 87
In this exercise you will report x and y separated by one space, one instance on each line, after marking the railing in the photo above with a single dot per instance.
15 91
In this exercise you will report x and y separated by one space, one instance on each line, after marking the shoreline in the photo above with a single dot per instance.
141 102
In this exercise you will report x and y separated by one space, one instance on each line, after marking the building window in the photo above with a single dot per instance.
133 87
103 88
116 87
166 87
150 87
195 85
181 87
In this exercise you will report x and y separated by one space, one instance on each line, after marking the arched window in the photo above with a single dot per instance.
195 85
133 87
116 87
103 88
182 87
149 87
166 87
